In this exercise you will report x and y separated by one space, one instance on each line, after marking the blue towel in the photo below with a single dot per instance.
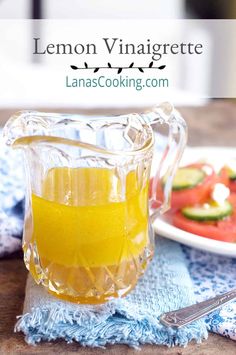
133 320
212 275
11 199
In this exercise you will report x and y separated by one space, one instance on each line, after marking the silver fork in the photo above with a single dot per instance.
184 316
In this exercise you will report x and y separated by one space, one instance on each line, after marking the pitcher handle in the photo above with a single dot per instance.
177 138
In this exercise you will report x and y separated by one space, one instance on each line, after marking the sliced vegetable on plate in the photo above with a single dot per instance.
210 211
201 202
223 229
187 178
230 169
192 185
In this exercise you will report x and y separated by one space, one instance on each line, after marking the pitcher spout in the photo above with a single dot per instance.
132 132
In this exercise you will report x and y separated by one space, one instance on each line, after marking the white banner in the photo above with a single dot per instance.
115 62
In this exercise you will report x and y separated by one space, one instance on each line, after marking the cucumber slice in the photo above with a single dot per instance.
186 178
232 173
208 212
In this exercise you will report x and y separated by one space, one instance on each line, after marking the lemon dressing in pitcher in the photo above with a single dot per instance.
90 241
87 235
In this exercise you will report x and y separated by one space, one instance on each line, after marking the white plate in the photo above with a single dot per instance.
217 157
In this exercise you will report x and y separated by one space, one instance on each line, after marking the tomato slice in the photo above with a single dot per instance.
224 173
223 177
197 194
224 230
232 186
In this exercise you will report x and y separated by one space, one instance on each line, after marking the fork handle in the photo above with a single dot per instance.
187 315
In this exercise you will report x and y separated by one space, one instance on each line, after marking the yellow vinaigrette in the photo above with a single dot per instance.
87 224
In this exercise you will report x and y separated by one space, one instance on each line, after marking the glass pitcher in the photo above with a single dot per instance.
88 235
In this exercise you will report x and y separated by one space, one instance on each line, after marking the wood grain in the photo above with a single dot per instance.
214 124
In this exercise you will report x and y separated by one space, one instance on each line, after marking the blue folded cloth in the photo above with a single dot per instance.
11 199
133 320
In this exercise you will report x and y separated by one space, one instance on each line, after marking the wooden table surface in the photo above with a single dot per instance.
214 124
